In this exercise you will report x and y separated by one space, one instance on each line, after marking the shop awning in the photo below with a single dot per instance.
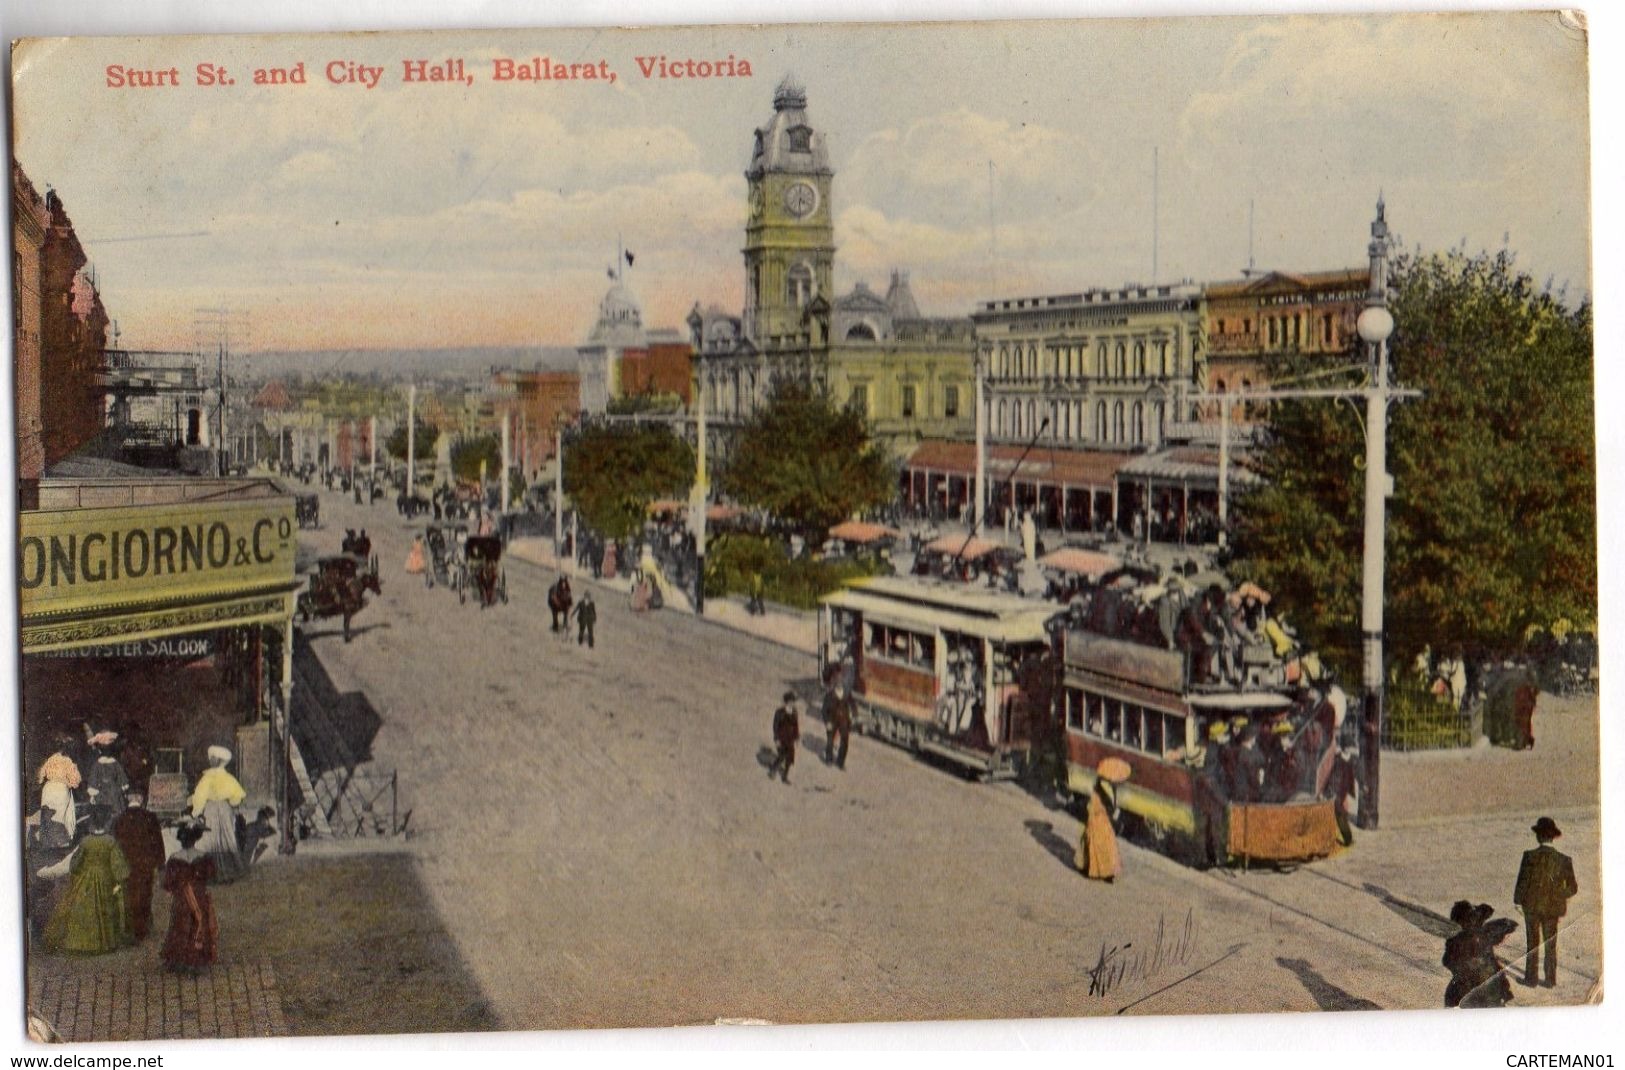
860 531
956 545
1080 561
1193 465
1043 464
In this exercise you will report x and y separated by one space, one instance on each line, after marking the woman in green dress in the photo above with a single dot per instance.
92 918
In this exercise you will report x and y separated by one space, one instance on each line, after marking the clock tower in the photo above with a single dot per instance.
790 235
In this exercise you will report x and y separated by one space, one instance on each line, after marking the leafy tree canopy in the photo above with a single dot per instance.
1492 526
807 462
467 454
613 471
422 444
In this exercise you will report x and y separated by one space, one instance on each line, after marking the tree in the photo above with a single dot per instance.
467 454
423 444
613 471
1492 526
807 462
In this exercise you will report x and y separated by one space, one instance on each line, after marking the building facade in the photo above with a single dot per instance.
1103 369
73 337
29 222
911 375
1251 321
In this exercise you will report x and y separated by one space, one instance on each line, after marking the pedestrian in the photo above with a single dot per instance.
839 711
215 800
786 731
1246 769
135 757
191 943
1524 697
91 918
754 606
1097 856
140 837
415 560
1341 785
58 777
254 838
1545 886
586 616
1208 788
106 783
1477 978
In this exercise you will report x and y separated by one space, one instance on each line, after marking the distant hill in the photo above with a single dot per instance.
473 361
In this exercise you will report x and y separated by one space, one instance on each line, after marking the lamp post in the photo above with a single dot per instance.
1375 325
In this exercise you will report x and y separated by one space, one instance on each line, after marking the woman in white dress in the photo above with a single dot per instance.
215 799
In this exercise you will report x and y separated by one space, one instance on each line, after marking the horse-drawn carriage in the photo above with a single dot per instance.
443 549
338 588
482 570
410 505
307 509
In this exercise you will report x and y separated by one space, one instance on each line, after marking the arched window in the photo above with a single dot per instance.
1032 417
799 285
861 332
1077 419
1000 422
1139 423
1100 421
1122 361
1162 359
1159 419
1015 420
1139 359
1032 360
1100 361
1066 420
737 407
1054 421
1004 361
1117 423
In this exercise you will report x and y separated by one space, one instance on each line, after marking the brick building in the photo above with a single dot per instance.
73 338
29 222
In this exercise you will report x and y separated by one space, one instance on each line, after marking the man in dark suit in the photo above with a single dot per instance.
1545 885
839 710
786 731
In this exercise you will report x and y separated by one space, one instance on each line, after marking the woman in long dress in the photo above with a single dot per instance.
192 940
58 778
1097 856
415 561
92 918
215 800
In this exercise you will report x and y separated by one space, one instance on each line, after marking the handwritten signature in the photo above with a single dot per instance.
1120 964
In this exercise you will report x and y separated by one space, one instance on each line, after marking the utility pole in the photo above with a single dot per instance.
979 499
696 508
558 496
1375 325
411 440
507 461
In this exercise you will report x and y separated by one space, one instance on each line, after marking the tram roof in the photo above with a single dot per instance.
954 607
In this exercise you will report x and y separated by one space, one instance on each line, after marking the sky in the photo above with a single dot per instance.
335 216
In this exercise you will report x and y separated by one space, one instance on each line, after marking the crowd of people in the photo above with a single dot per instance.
95 849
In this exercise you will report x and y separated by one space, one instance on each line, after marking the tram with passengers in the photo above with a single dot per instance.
939 667
991 681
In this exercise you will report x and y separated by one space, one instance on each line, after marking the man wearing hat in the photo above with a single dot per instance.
1208 785
1545 886
786 731
839 710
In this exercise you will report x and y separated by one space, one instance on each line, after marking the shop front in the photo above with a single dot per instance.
162 611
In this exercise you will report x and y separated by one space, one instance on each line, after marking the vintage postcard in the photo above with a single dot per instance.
548 529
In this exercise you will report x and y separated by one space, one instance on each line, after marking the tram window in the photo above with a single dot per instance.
1173 732
1096 716
897 645
925 651
1114 720
1074 709
877 639
1153 732
1131 726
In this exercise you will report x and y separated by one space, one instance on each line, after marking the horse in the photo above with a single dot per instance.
559 601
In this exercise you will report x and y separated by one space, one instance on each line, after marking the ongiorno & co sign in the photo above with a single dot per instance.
68 559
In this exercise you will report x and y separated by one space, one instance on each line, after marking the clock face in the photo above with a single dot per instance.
800 199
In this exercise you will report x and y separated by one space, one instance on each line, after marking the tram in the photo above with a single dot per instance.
940 668
998 684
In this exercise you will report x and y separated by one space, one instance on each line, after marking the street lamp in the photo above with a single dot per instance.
1375 325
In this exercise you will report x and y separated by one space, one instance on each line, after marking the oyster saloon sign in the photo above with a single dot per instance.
71 559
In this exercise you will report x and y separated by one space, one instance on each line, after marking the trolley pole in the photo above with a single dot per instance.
979 494
507 462
558 498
